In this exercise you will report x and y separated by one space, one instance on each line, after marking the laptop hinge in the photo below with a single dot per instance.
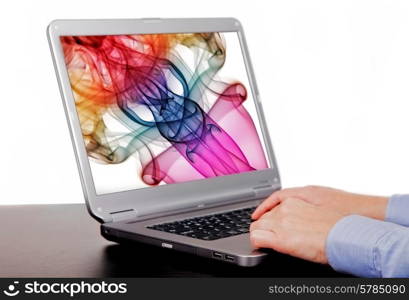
122 215
264 190
254 193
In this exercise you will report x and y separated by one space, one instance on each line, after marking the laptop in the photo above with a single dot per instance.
168 129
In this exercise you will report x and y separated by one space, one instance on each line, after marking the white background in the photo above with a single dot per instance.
333 75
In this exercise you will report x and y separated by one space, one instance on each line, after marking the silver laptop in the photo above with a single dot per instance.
168 130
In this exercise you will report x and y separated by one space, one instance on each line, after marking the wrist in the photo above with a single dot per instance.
373 207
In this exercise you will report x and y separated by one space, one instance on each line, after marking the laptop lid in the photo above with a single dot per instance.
164 114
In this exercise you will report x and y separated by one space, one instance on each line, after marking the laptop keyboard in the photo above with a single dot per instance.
211 227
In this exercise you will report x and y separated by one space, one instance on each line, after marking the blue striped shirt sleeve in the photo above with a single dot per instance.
398 210
368 248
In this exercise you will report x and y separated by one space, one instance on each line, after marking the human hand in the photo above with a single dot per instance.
332 199
295 227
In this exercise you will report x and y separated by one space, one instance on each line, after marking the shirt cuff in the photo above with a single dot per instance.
397 210
351 245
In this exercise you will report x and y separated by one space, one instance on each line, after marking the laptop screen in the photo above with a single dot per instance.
159 109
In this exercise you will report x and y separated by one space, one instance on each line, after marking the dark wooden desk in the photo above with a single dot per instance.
64 241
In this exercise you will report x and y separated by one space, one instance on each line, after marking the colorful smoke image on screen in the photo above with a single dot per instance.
163 108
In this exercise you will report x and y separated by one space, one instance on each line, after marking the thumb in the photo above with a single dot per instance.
263 238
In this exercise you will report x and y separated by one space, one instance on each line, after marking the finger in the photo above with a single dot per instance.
274 199
266 205
263 239
270 214
262 224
